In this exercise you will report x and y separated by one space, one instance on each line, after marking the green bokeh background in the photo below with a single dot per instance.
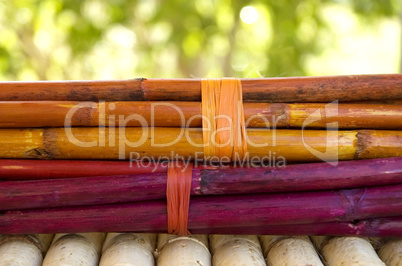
98 39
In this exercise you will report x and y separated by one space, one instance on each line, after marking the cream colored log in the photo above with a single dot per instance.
230 250
288 250
391 252
23 250
128 249
377 242
183 251
351 251
75 249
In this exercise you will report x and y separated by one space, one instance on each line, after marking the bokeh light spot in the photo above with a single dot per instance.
248 14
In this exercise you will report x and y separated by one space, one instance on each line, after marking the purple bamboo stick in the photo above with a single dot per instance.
375 227
213 212
49 193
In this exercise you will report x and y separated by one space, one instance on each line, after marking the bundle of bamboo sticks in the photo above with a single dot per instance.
282 186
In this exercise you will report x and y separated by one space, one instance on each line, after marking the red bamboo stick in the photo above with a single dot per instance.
39 169
17 195
295 89
213 212
374 227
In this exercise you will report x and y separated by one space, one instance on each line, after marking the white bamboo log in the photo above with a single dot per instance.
75 249
229 250
289 250
183 251
391 252
128 249
377 242
351 251
23 250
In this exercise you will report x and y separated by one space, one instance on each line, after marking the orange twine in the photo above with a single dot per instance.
178 197
224 133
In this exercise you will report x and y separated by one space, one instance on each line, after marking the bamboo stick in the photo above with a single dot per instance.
19 252
379 103
278 146
184 114
24 249
214 212
391 252
289 250
206 180
373 227
344 174
354 251
128 249
369 141
119 90
37 169
183 250
295 89
236 250
377 242
75 249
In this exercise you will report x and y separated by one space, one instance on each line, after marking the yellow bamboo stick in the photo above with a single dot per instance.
120 143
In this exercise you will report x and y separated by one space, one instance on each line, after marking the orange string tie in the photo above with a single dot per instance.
178 197
224 133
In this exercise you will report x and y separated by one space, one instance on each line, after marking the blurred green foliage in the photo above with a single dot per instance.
99 39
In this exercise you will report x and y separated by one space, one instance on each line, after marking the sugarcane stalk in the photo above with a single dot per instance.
206 180
295 89
75 249
183 250
289 250
163 143
24 249
354 251
391 252
188 114
213 212
128 249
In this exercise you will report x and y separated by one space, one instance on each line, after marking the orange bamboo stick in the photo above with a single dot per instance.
295 89
371 143
179 143
183 114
